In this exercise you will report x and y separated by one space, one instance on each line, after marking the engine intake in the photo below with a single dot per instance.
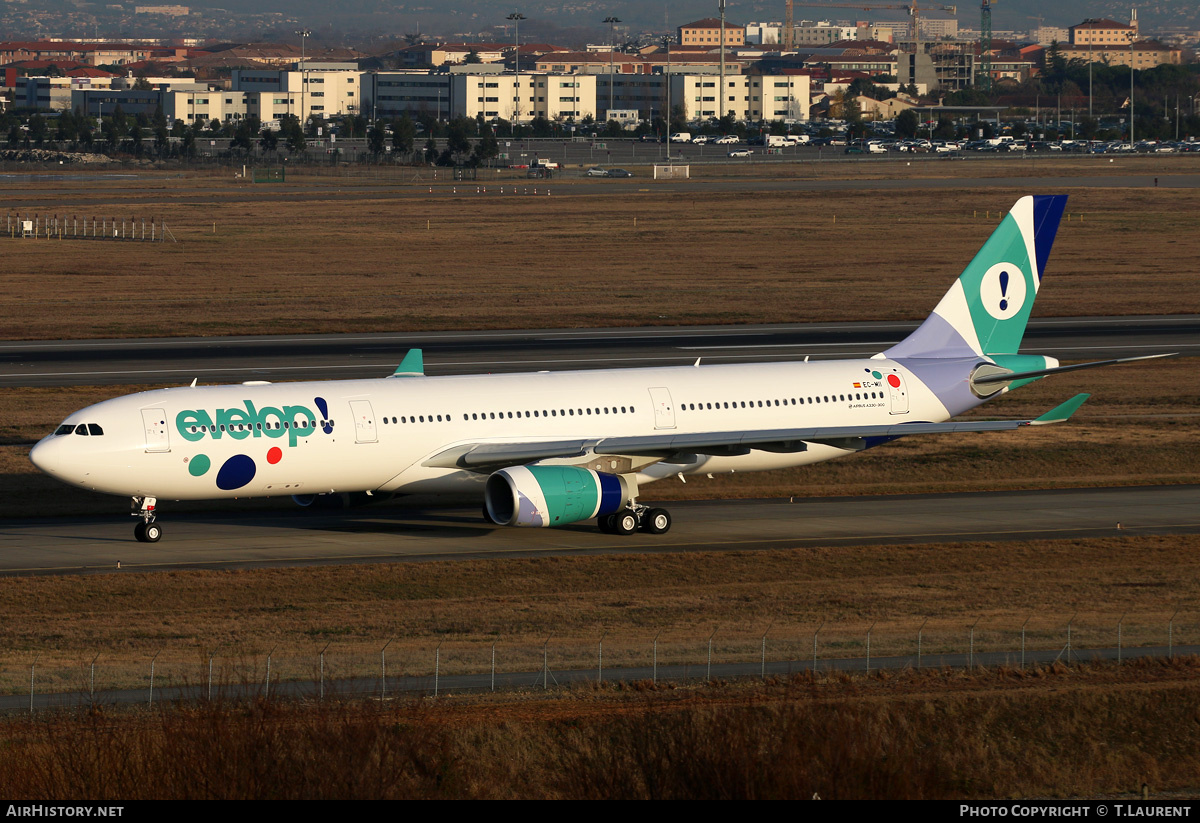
541 496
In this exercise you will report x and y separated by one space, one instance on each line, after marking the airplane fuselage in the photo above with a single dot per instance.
260 440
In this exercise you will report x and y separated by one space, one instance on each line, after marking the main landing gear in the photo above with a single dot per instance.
636 517
146 531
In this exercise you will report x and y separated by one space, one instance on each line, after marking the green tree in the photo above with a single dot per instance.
376 139
907 123
456 139
613 129
293 134
269 140
488 147
678 119
37 129
67 128
353 125
404 135
187 143
120 121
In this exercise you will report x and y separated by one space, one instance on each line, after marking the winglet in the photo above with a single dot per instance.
413 365
1062 412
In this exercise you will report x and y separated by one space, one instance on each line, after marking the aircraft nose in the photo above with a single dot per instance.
49 456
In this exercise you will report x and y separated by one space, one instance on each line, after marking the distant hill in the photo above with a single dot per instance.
584 18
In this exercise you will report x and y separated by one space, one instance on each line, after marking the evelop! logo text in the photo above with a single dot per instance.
293 422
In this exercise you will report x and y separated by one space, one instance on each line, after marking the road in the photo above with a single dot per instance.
323 357
390 533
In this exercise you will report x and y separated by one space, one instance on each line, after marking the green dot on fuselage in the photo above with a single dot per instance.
199 465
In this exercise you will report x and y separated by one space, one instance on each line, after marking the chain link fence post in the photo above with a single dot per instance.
920 630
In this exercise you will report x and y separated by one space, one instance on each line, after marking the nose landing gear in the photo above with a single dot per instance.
146 531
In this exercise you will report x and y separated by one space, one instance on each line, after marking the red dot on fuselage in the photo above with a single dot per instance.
893 381
274 455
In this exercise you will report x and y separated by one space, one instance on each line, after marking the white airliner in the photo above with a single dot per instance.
553 448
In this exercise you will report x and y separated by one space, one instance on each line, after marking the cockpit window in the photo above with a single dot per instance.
81 429
95 429
66 428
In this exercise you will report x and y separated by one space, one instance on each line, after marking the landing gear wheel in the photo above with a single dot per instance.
625 522
605 523
656 521
153 532
139 532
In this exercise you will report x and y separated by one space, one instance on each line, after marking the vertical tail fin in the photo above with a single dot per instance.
987 308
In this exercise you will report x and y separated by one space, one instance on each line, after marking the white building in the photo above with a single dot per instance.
750 97
764 34
53 93
322 89
504 96
822 33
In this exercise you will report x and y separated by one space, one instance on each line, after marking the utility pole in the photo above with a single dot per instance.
721 97
516 17
1132 39
304 34
612 50
666 41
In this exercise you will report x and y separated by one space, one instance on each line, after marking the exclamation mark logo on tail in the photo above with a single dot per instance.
1002 290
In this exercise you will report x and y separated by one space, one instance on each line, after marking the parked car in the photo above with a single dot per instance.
619 173
741 153
727 139
596 172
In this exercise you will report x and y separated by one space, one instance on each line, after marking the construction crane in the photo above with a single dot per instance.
985 44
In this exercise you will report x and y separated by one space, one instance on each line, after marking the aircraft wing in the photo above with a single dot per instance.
489 455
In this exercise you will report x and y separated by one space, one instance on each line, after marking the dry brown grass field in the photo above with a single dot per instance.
122 620
1057 732
336 254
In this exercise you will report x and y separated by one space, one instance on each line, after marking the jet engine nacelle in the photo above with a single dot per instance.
541 496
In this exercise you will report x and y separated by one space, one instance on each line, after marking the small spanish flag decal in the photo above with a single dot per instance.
858 385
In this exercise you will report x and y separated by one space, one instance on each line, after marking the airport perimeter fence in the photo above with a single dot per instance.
386 668
58 227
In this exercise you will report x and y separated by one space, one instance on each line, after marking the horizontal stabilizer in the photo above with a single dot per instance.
1008 377
1062 412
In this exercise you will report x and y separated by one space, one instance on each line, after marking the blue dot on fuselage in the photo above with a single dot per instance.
236 472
